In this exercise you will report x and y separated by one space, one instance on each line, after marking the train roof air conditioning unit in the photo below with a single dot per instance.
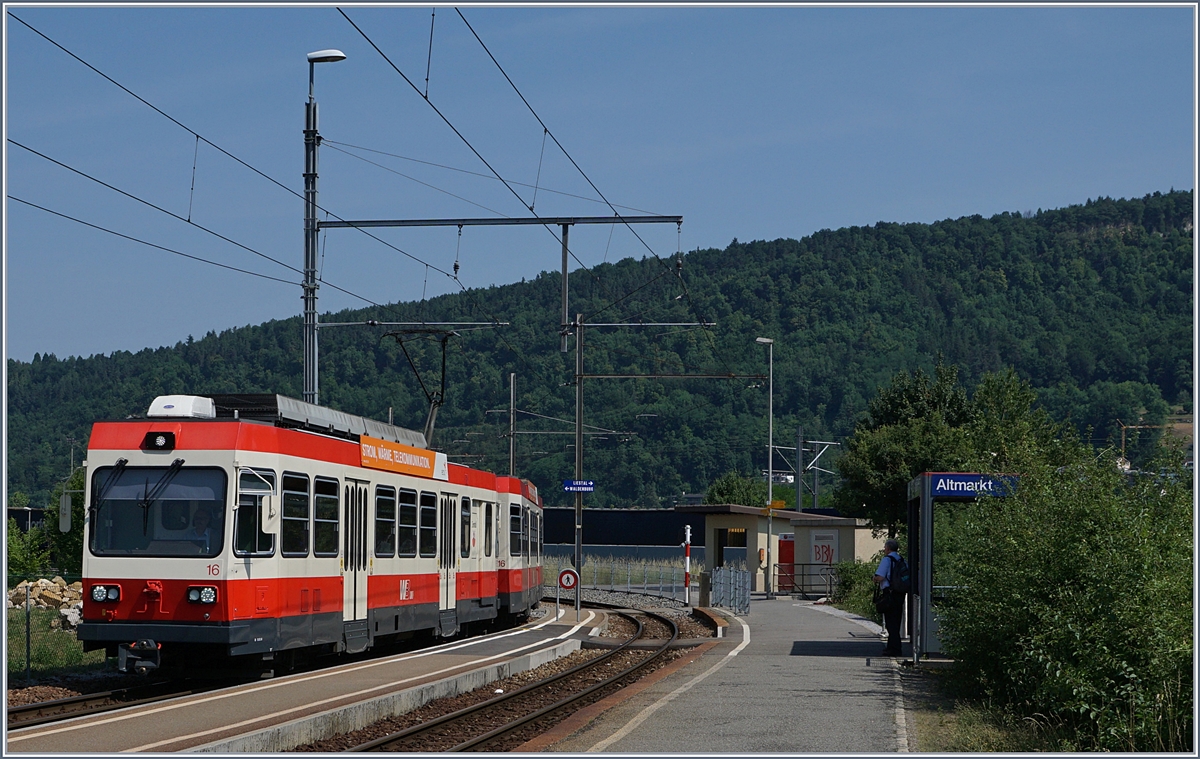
185 406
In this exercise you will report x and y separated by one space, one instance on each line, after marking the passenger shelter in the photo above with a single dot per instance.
925 491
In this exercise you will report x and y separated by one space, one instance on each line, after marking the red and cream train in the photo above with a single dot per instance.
253 529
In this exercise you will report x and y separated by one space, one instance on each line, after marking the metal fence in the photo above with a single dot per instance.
40 637
806 580
731 589
630 576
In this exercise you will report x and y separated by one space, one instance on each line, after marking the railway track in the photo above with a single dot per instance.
510 719
87 704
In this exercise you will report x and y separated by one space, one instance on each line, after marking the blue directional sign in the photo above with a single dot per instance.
579 486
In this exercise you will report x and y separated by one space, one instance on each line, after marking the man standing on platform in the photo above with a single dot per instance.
892 599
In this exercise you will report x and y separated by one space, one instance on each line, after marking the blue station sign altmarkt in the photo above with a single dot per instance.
953 485
579 486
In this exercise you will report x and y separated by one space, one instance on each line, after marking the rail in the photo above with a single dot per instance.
490 723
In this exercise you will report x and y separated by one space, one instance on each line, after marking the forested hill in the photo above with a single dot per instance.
1092 304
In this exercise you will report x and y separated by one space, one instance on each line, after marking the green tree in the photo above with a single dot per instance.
66 548
27 551
916 424
732 487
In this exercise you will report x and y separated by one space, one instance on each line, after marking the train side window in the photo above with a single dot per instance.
325 516
487 529
406 529
385 521
514 530
428 539
525 549
294 527
248 538
535 537
464 527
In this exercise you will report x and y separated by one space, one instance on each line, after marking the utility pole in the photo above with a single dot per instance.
578 453
312 140
799 469
512 423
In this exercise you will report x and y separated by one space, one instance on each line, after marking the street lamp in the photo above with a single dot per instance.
311 140
770 445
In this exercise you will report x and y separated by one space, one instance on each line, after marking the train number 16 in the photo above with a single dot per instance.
214 569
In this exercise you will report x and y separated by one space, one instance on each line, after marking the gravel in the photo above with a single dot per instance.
66 686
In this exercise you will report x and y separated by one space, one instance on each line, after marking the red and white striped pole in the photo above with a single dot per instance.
687 564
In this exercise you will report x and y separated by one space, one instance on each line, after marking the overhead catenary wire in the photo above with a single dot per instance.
325 141
215 146
333 146
274 181
174 215
529 367
582 173
464 140
150 244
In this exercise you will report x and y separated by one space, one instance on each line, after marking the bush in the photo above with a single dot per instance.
1075 603
28 552
855 589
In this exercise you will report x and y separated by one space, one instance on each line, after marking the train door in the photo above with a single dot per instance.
447 564
354 566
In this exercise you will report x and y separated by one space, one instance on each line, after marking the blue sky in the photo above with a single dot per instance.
753 123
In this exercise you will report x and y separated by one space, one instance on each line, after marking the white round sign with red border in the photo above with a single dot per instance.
568 579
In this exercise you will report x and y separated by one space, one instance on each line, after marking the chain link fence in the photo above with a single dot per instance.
654 579
40 625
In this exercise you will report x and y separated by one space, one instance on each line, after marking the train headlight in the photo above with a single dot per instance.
159 441
202 595
103 593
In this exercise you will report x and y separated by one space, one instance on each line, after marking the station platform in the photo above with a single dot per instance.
285 712
790 677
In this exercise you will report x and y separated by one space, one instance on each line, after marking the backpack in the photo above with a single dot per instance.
899 575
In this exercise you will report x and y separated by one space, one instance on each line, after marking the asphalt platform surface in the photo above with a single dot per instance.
790 677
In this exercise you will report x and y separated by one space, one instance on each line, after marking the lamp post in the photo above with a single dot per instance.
770 445
311 141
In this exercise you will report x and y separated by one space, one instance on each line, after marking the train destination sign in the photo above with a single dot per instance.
579 486
397 457
972 485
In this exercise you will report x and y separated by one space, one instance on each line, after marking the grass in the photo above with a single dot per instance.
605 572
948 723
52 650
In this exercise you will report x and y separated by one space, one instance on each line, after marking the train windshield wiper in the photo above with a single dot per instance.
111 480
151 495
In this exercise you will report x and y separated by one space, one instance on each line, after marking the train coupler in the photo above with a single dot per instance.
138 657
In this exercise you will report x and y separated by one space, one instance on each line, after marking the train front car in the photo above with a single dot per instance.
160 505
233 532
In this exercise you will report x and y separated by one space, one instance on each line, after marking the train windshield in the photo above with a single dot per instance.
157 511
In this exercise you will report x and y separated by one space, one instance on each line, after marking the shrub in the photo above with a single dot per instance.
1075 602
27 551
855 589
